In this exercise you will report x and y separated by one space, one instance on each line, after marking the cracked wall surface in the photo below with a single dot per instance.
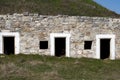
34 28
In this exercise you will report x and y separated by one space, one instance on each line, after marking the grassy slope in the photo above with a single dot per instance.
35 67
55 7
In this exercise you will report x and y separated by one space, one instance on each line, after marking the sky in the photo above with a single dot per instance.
113 5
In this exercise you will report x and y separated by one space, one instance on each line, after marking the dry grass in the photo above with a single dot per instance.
36 67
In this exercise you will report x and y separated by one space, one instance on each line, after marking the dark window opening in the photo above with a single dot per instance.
9 46
60 46
104 48
43 45
87 44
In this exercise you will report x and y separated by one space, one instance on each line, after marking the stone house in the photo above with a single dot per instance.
61 35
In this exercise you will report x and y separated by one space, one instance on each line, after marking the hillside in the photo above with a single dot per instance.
36 67
55 7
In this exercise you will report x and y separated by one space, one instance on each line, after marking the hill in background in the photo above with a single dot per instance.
55 7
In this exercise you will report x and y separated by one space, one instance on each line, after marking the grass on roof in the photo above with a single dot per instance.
55 7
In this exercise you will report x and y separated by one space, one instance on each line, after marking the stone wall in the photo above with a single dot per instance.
34 28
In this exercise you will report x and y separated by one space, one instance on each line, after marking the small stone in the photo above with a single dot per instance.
26 13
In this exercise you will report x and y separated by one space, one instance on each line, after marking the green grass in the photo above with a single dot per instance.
36 67
55 7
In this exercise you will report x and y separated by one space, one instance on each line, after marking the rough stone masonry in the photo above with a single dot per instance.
83 31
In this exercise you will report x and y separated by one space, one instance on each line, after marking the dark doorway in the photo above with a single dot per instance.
104 48
8 43
60 46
